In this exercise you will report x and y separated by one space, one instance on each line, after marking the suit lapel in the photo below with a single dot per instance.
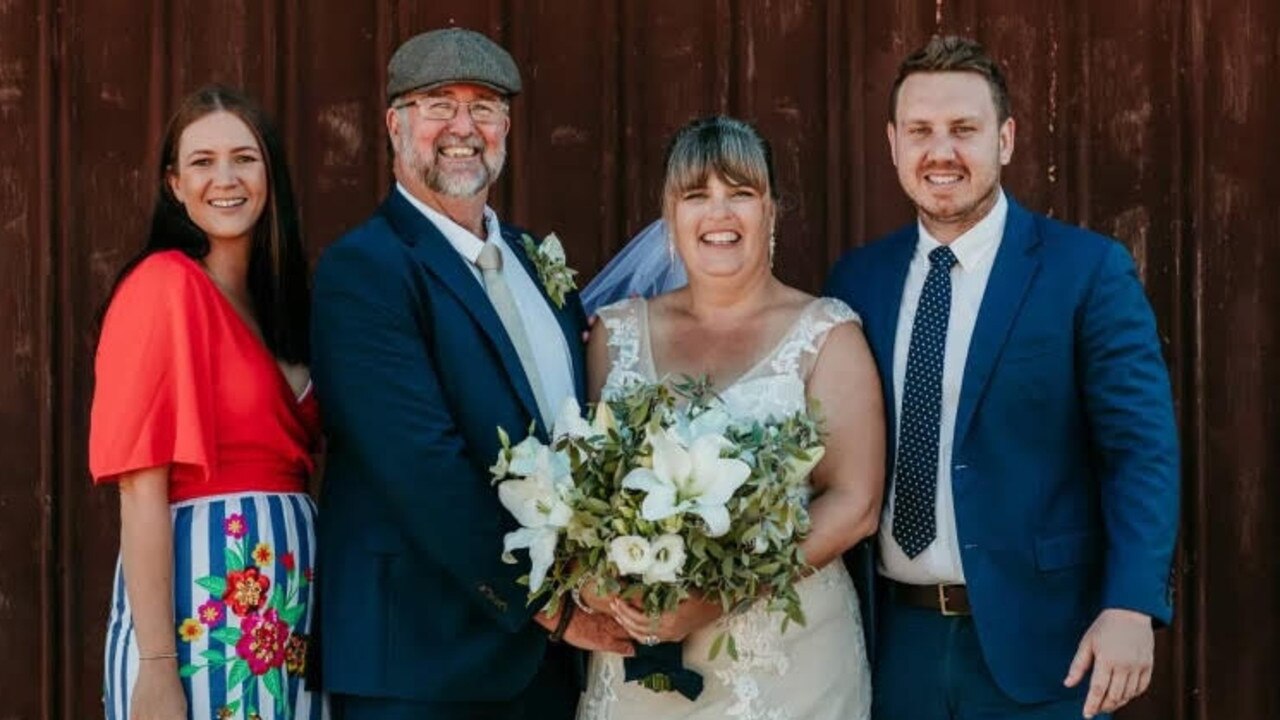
572 333
885 319
1015 266
439 258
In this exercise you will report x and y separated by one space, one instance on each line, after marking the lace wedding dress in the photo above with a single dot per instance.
809 672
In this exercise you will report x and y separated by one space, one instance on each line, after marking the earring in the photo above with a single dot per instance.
773 244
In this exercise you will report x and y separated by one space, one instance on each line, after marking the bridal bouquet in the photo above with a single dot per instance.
657 493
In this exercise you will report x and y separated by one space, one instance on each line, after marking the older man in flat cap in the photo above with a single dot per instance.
431 329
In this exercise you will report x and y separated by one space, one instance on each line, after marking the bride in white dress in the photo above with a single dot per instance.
767 348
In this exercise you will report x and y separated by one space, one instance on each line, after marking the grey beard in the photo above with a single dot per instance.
452 185
463 185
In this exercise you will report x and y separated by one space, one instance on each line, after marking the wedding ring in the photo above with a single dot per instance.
649 640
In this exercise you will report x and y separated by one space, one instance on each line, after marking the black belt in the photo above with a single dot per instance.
947 599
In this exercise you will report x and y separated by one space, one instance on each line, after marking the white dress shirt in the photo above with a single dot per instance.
546 339
975 252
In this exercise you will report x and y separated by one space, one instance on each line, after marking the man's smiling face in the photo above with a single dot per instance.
948 145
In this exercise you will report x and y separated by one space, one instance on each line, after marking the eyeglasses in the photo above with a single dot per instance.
482 112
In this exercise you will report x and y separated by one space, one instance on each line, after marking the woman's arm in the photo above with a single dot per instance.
597 360
146 552
849 482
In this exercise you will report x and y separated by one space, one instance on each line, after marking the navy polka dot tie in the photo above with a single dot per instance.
915 484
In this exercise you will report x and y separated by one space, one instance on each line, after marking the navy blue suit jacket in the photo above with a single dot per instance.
1065 461
415 374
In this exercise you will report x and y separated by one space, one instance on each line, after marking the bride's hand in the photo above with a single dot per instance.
690 615
591 597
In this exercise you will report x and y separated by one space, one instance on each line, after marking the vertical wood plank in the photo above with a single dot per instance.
28 590
1234 222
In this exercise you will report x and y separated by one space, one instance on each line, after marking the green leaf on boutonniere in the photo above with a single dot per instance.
549 260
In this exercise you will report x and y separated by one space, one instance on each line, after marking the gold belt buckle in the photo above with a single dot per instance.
942 603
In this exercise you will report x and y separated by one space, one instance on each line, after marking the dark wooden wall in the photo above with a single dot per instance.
1153 120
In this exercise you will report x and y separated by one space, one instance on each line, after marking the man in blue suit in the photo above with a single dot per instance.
432 329
1028 535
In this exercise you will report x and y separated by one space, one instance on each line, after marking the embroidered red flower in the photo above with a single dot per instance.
262 555
234 526
288 562
295 654
211 613
246 590
262 641
309 574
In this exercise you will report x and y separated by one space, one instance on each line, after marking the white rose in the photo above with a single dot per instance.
631 553
668 559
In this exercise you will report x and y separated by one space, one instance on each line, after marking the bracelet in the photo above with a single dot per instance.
577 600
566 613
160 656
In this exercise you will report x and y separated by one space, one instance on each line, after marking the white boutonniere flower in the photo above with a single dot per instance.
692 480
549 260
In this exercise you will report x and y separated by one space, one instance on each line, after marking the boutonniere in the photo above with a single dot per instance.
549 260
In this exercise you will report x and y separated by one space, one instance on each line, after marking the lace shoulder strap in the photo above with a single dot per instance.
625 322
797 354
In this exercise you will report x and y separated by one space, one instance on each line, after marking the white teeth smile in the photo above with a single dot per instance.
724 237
233 202
943 179
458 152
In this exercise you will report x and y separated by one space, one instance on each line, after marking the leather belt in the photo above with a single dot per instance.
950 600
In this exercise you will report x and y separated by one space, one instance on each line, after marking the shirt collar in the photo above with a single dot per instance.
467 245
977 242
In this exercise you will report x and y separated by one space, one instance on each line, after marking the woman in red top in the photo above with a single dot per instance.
203 414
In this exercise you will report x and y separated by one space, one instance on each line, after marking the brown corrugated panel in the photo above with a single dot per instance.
1150 120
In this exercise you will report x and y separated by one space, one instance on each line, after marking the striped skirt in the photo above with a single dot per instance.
242 602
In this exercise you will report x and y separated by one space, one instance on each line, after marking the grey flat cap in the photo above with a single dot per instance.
452 55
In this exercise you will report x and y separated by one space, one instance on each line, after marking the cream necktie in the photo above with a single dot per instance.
495 284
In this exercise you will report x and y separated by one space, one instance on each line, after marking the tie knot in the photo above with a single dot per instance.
490 257
942 258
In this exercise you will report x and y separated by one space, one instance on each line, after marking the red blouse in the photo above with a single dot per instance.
181 380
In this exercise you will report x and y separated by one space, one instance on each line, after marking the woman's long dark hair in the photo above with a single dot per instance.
278 280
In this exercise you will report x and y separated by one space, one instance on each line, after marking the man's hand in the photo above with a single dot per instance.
597 633
1120 647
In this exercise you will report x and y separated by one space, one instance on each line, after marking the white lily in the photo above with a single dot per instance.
694 480
668 559
570 423
542 551
631 553
712 421
537 503
532 459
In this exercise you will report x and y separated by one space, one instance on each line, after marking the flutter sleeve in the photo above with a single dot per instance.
153 395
